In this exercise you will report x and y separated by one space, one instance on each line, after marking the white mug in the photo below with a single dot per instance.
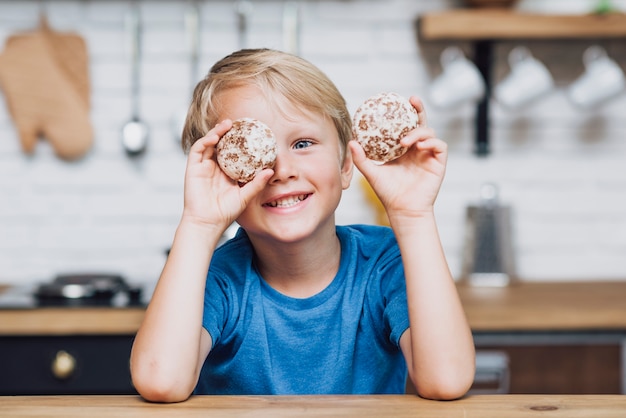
528 80
602 80
460 81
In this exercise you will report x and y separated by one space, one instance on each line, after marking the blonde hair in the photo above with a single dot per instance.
273 72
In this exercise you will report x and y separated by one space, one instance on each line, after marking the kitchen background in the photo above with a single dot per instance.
560 168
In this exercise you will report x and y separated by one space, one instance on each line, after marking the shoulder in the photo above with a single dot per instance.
363 231
230 275
232 261
238 247
373 237
374 246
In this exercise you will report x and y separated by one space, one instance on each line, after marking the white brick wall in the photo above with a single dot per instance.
562 170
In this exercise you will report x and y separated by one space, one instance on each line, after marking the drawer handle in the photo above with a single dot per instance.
63 365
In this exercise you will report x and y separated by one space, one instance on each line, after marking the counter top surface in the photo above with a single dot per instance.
484 406
522 306
546 306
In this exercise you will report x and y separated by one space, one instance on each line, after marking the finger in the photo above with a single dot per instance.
254 186
358 154
204 147
418 134
357 151
419 107
361 162
213 136
435 145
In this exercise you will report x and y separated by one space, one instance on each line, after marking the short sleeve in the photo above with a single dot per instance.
393 287
215 306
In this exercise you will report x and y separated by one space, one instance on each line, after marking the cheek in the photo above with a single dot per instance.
328 169
245 218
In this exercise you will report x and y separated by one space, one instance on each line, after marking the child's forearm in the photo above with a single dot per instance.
441 345
169 349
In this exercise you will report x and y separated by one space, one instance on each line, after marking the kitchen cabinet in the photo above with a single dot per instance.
558 337
62 365
483 27
60 350
549 367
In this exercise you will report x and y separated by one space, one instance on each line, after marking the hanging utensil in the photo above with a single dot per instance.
291 27
243 9
135 132
192 31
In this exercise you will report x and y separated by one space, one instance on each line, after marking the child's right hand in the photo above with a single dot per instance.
211 198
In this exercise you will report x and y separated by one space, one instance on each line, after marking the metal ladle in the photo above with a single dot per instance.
291 27
135 132
243 9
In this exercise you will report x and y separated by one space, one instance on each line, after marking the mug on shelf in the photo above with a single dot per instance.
528 80
602 80
459 82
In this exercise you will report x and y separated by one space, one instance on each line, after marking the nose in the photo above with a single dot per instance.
285 167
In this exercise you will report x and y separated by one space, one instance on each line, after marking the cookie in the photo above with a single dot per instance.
247 148
381 122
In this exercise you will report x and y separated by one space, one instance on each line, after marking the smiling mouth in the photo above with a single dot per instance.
287 201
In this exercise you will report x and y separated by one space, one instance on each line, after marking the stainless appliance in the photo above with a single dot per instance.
488 258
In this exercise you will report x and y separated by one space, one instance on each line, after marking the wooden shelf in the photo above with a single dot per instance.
472 24
483 27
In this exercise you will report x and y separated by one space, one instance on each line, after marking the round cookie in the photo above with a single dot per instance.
381 122
247 148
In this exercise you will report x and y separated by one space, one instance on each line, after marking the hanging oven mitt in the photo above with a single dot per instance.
45 81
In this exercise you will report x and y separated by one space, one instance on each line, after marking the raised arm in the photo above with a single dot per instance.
171 344
438 346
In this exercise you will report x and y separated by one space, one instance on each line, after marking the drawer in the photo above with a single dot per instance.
96 365
562 369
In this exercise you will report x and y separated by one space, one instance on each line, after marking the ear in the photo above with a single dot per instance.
347 168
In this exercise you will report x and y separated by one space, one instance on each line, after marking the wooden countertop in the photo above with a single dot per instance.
523 306
483 406
546 306
70 321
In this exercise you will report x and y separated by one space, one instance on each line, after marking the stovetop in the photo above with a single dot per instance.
25 297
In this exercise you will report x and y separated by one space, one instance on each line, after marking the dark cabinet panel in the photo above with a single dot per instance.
31 365
562 369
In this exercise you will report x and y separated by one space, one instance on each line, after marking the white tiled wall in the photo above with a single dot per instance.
562 170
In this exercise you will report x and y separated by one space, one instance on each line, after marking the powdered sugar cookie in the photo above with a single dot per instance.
247 148
381 122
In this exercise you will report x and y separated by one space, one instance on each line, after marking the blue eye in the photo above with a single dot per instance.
303 143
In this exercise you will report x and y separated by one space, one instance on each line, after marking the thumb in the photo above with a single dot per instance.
361 162
29 135
254 186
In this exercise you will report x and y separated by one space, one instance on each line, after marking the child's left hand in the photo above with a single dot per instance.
408 186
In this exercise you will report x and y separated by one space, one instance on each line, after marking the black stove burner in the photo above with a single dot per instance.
86 289
68 290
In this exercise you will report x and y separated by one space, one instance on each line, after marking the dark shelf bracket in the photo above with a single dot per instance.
483 58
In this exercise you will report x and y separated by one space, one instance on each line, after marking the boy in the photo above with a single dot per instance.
295 304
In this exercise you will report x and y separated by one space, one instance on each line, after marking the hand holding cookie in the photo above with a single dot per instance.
211 197
246 149
387 127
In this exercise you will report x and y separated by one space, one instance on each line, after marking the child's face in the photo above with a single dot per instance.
300 199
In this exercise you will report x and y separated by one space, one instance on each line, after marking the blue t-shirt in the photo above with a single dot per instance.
343 340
